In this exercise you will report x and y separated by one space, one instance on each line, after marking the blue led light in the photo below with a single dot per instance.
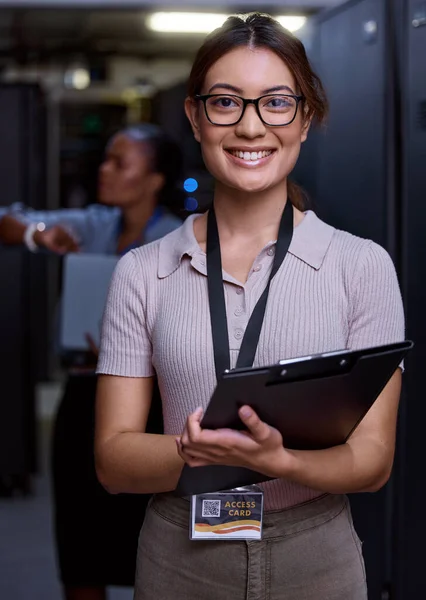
191 204
190 185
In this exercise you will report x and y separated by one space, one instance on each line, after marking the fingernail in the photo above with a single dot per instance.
246 412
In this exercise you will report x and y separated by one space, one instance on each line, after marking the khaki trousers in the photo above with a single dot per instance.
308 552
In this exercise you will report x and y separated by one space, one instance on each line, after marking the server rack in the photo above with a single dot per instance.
410 518
351 171
23 304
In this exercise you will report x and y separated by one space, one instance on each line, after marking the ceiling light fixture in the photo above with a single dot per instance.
192 22
185 22
77 77
291 22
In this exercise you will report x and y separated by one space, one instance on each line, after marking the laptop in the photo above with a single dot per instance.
86 279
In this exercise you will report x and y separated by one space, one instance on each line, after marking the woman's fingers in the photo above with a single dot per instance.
195 418
195 458
217 447
225 446
58 239
259 430
192 429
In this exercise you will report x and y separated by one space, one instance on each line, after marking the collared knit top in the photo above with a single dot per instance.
333 291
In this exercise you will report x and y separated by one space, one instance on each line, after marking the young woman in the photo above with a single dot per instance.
252 98
139 186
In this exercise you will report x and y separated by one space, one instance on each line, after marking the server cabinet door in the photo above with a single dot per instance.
17 419
22 145
351 178
352 188
409 559
23 177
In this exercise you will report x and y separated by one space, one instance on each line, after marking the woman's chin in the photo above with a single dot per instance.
106 200
256 186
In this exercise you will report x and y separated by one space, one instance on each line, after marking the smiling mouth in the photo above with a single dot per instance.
250 156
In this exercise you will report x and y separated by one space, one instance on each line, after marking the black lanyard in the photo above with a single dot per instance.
217 295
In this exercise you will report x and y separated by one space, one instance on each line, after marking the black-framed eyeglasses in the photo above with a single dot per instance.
274 110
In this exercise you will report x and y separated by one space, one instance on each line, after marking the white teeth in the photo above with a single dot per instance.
251 155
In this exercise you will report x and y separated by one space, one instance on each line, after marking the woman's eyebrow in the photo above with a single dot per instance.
278 88
226 86
237 90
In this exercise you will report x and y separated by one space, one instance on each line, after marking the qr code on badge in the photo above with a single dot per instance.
211 508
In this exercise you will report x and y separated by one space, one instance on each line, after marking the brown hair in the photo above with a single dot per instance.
258 30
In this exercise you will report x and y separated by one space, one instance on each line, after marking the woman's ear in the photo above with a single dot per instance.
154 183
193 113
305 129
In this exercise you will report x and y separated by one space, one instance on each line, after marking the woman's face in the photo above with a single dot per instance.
125 176
249 73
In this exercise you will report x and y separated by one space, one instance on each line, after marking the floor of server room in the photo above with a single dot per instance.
27 554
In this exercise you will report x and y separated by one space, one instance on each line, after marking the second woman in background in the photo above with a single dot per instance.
96 533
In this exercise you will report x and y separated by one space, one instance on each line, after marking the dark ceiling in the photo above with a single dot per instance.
37 35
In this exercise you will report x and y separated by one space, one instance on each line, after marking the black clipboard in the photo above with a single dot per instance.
315 402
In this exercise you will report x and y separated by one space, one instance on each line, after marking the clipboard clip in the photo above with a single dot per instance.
332 365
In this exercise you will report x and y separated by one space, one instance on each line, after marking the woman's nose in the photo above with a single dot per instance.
104 167
251 125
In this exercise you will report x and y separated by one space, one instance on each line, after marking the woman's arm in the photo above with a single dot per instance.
62 226
55 238
127 459
364 463
11 230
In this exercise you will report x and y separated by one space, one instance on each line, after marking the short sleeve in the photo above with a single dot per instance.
125 343
377 315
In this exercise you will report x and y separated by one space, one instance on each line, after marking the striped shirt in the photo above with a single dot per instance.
333 291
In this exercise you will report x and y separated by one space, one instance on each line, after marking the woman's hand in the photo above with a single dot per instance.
56 239
93 347
260 447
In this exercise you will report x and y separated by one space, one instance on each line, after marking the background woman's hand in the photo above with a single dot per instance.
93 347
259 447
56 239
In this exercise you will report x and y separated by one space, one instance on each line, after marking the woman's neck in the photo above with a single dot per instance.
241 214
246 223
136 217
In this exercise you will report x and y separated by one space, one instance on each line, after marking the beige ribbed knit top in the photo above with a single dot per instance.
333 291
